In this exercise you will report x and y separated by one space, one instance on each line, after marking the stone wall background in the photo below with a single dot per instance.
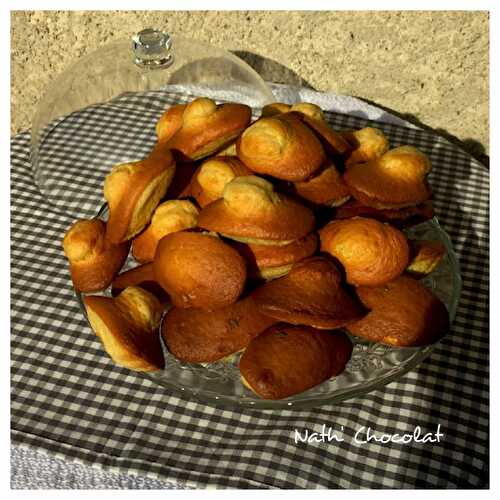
430 67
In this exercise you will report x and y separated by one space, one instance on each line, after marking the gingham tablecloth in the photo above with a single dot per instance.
70 401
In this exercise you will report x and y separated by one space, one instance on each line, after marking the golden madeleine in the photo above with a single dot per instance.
281 146
325 188
312 115
371 252
133 191
207 127
199 270
403 313
251 211
170 122
169 217
287 360
310 110
273 261
210 179
200 336
93 260
127 326
394 180
425 257
368 144
310 294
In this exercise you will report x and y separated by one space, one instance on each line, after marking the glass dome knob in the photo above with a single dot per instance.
152 49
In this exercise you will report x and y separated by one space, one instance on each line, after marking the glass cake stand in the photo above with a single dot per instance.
76 137
151 60
371 366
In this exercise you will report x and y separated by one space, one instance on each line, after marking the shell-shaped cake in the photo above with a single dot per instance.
371 252
169 217
402 313
368 144
207 127
200 336
199 270
127 326
251 211
133 191
310 294
396 179
281 146
93 260
209 181
286 360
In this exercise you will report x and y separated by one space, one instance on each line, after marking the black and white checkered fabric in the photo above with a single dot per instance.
70 400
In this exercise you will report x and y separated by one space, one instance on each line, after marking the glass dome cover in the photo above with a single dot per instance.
152 62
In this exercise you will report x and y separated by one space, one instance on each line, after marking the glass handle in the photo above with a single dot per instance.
152 49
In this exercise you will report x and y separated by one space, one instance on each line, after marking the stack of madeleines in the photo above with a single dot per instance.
265 237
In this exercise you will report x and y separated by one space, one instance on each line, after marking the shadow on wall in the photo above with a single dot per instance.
273 71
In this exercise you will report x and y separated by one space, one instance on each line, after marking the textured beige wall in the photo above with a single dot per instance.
431 66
